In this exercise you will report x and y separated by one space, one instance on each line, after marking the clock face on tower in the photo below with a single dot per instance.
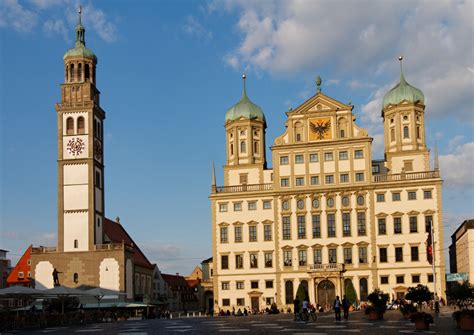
75 146
97 150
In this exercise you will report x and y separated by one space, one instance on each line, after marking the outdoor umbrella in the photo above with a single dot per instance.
16 291
63 292
99 293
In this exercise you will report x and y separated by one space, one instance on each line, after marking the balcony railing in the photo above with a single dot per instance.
109 246
405 176
41 250
328 267
243 188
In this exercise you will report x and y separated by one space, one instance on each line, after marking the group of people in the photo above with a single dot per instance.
305 307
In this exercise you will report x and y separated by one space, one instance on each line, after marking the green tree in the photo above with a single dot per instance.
301 293
419 294
351 294
462 294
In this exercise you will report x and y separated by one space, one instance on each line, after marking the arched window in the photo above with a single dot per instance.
95 129
392 135
231 149
71 73
75 278
255 147
67 73
343 126
298 132
87 73
70 126
101 133
243 147
363 289
343 134
289 292
405 132
418 132
80 125
79 72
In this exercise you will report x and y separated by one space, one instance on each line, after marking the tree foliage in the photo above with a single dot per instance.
419 294
351 294
378 300
462 294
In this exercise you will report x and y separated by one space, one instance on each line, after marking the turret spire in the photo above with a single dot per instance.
436 158
402 78
244 91
80 31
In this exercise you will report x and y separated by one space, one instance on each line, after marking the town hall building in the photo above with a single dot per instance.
326 214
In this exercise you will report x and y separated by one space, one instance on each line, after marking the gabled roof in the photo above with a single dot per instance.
117 233
327 104
22 266
175 282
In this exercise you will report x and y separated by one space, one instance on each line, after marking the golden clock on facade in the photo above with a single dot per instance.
320 129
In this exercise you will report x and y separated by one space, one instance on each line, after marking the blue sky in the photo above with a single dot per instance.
169 70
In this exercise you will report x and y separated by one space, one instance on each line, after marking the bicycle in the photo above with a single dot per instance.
310 313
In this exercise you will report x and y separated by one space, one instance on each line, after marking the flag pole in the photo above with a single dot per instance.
434 260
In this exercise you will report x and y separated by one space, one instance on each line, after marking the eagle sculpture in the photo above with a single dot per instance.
320 128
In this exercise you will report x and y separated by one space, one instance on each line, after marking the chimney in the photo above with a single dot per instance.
117 219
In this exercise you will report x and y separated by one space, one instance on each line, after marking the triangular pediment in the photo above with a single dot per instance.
319 103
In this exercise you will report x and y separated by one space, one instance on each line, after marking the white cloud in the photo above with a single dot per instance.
43 4
100 23
14 15
193 27
457 168
57 27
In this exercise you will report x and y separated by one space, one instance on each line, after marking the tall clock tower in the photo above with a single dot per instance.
80 151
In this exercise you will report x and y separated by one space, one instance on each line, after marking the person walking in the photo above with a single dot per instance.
345 307
296 307
337 308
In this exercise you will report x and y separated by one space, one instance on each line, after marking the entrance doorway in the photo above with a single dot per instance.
326 293
254 303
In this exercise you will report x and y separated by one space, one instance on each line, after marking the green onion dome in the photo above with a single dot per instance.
403 91
80 49
244 109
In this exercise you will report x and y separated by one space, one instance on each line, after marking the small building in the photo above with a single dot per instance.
5 267
21 273
461 251
180 296
207 285
159 290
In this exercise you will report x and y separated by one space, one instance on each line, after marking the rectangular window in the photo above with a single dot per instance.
358 154
224 262
362 255
254 284
238 234
427 195
398 254
287 257
316 225
299 181
380 197
430 278
413 224
347 255
252 233
375 169
328 156
400 279
318 256
397 225
414 254
286 228
344 177
237 206
411 195
224 235
222 208
268 259
302 258
240 285
268 283
343 155
383 255
330 179
313 158
97 179
332 253
252 205
253 261
267 232
225 302
225 285
360 176
415 279
284 160
331 225
267 204
239 261
301 226
383 279
284 182
428 222
240 301
314 180
396 196
361 230
382 226
76 244
243 178
299 159
346 224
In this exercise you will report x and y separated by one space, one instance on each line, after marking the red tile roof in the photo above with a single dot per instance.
21 266
176 281
192 283
117 233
